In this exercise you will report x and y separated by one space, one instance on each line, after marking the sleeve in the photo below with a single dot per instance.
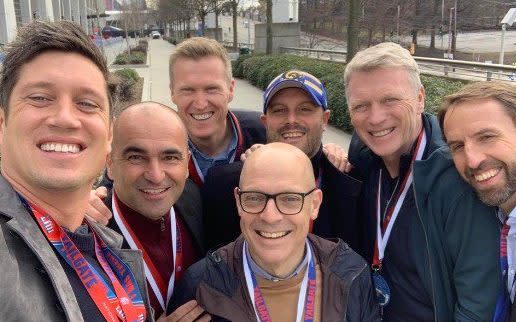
362 304
184 291
472 240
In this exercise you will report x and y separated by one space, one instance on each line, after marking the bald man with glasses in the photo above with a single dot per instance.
276 270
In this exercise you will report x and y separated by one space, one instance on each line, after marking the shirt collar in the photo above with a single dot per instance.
262 273
224 155
511 218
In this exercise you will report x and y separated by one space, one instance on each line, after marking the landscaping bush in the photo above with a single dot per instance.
122 59
128 73
122 82
138 54
137 58
259 70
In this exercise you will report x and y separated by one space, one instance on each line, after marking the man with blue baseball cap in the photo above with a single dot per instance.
295 112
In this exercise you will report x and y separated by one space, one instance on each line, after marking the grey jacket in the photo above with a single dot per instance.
33 284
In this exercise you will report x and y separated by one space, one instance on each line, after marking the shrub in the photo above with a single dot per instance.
122 59
122 84
128 73
259 70
137 58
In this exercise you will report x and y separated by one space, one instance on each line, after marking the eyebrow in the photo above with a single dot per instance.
50 85
133 149
136 149
476 134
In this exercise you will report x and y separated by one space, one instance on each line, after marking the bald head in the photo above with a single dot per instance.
149 158
138 115
276 234
280 160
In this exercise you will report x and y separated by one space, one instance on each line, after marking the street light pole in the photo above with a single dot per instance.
450 31
398 25
454 40
502 49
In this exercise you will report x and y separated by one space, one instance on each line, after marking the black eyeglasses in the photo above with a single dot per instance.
288 203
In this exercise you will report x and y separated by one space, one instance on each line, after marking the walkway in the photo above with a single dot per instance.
248 97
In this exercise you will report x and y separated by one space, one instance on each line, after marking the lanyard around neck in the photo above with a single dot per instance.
161 289
307 291
384 228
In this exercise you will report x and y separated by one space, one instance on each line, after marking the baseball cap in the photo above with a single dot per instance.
297 79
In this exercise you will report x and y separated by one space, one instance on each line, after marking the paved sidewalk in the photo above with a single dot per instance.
248 97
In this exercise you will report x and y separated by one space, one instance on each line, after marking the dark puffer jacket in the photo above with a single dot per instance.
218 284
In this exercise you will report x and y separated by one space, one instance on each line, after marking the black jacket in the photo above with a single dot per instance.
218 284
338 217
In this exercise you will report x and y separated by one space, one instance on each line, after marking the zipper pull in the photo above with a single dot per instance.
162 226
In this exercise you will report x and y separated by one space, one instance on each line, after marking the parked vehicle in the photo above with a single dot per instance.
110 31
155 34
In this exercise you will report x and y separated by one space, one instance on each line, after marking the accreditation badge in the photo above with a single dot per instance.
383 292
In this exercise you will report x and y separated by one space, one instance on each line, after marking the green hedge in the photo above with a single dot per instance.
259 70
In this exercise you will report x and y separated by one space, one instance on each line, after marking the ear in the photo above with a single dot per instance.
325 118
109 165
237 200
317 197
421 100
188 156
263 118
2 123
110 137
231 90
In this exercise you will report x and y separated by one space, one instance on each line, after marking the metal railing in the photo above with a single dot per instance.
459 69
240 44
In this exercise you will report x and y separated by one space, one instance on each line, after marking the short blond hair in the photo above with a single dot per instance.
199 47
501 92
384 55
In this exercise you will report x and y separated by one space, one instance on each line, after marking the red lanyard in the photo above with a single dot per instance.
159 286
194 170
383 230
125 303
307 291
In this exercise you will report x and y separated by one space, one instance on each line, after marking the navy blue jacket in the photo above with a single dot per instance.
458 251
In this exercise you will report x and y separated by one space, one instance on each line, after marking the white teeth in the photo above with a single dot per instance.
382 133
487 175
289 135
154 191
201 117
60 147
272 235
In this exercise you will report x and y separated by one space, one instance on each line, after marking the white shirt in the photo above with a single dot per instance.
511 250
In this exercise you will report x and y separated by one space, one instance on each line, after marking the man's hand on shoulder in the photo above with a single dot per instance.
97 210
188 312
337 156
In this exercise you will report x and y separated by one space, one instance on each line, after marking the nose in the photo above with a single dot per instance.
376 114
64 114
473 155
291 116
154 172
200 101
271 213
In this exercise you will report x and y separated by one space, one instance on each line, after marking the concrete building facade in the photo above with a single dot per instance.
16 13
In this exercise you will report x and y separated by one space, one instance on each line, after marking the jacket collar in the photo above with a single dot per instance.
364 159
26 228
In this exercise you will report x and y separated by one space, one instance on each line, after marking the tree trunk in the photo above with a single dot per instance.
352 41
234 5
268 49
217 23
369 36
203 23
432 36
